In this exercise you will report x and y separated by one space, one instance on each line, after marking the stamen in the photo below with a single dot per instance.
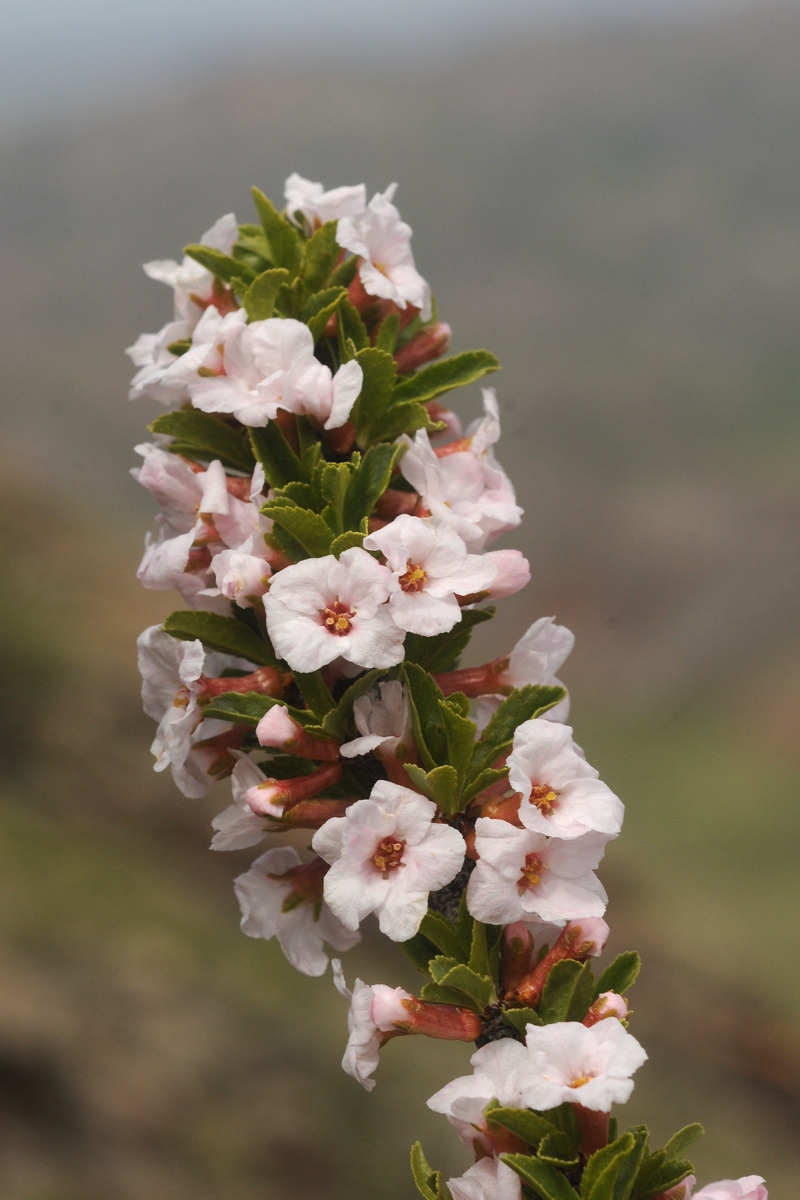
388 855
543 797
580 1081
531 873
414 579
337 619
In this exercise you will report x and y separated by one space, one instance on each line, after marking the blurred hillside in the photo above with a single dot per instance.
614 211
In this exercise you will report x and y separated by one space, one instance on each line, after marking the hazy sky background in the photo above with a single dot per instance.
55 54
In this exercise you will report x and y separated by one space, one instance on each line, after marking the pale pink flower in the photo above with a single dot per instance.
181 492
271 908
237 827
562 796
151 354
253 370
430 566
607 1004
536 658
325 608
467 489
749 1187
386 856
383 718
192 284
500 1071
373 1011
243 578
488 1179
513 572
588 1066
383 243
521 873
318 206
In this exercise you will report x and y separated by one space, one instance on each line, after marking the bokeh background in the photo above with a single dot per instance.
607 196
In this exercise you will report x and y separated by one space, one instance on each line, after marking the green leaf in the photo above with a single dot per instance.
386 338
221 633
380 373
518 1018
351 326
434 994
314 691
479 989
602 1170
420 951
683 1139
426 718
479 950
283 238
209 436
459 734
446 374
339 721
438 653
345 273
232 270
557 1149
247 708
443 935
620 975
368 483
568 992
658 1174
320 308
484 780
440 785
259 299
308 529
281 464
400 418
430 1184
522 705
319 256
346 541
546 1181
527 1125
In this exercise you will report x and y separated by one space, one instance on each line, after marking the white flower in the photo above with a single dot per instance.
277 901
536 658
237 827
383 243
579 1065
488 1179
194 285
241 577
151 354
465 488
323 608
383 718
513 572
373 1011
562 796
253 370
499 1073
521 874
430 566
318 206
386 855
749 1187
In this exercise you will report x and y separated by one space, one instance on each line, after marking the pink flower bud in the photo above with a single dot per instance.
388 1007
274 796
428 344
279 731
607 1004
578 940
513 572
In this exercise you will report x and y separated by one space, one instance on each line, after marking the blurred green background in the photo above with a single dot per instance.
610 203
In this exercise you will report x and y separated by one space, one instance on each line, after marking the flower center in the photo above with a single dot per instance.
388 855
543 797
337 618
414 579
531 873
580 1081
382 267
182 698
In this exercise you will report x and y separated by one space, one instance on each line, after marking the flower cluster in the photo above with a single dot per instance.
327 523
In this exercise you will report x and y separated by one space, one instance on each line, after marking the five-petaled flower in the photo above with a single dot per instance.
382 242
500 1070
487 1179
387 854
318 206
588 1066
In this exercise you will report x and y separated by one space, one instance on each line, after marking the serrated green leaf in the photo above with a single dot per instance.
479 989
232 270
527 1125
557 1149
446 374
247 708
434 994
522 705
320 308
459 734
430 1184
281 464
620 974
546 1181
259 299
314 690
308 529
379 376
368 483
658 1174
443 935
484 780
563 1118
319 256
339 722
518 1018
603 1167
440 785
345 273
683 1139
568 992
350 328
426 717
346 541
479 950
399 419
283 238
211 437
386 338
220 633
438 653
420 951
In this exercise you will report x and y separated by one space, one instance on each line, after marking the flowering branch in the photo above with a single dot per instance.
326 521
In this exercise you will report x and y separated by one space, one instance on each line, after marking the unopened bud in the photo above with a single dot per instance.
516 955
513 572
438 412
393 502
407 1014
274 797
279 731
267 681
607 1004
309 814
430 343
579 940
486 680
